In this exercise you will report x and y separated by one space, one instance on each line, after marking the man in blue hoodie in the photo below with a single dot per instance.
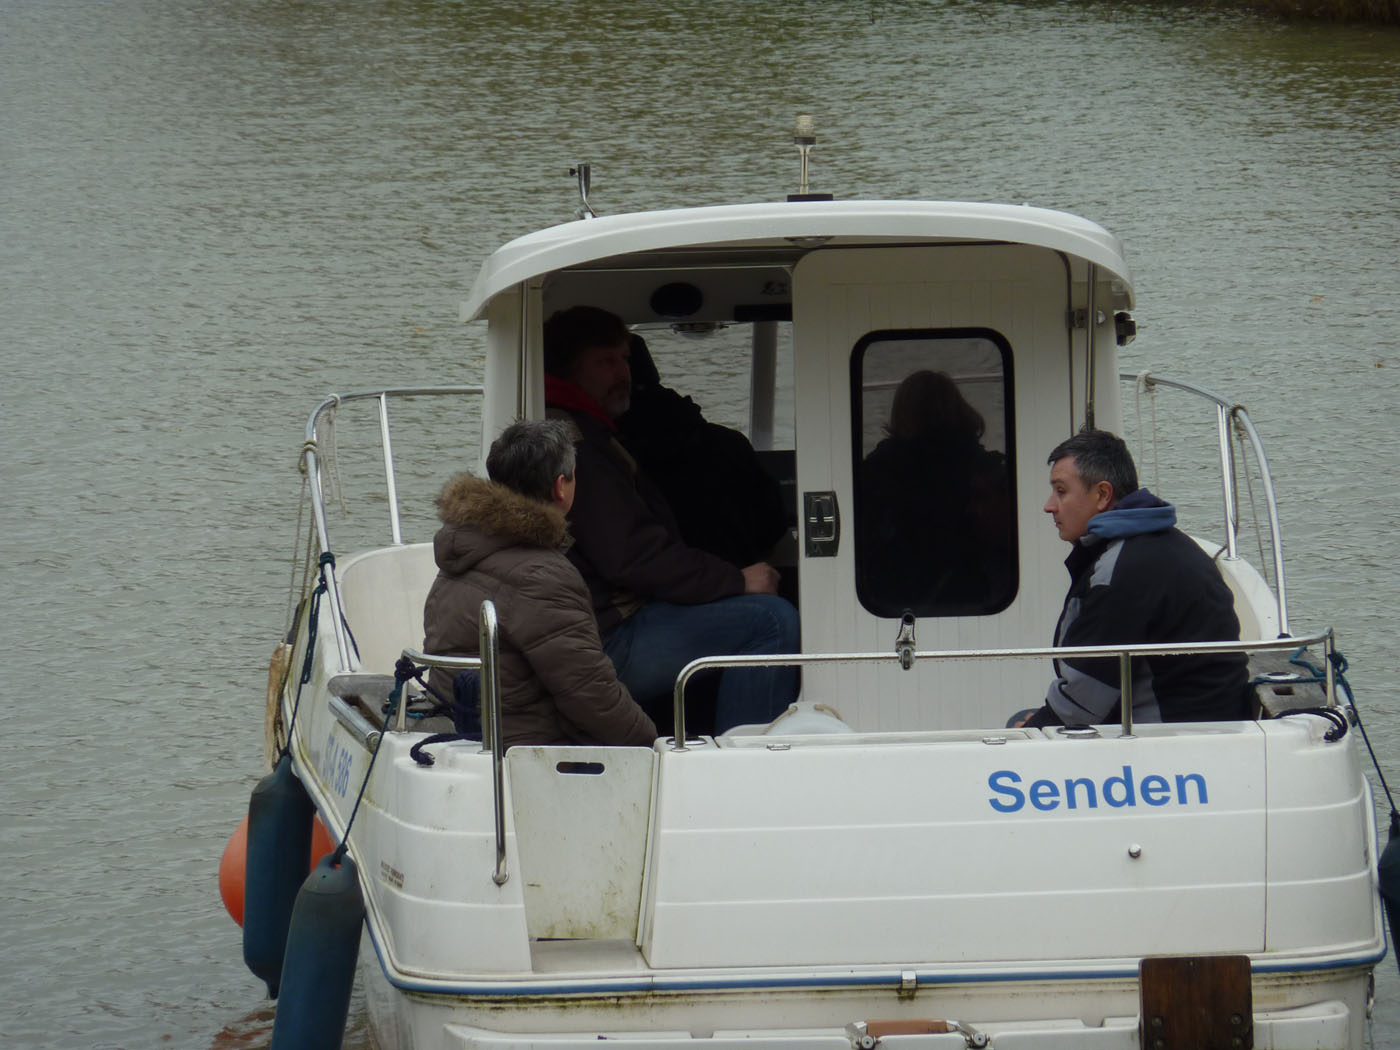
1135 577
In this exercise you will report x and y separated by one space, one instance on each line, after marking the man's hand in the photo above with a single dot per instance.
760 578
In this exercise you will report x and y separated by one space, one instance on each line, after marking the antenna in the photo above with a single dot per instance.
584 173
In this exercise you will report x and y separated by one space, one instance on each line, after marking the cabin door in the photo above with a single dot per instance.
931 382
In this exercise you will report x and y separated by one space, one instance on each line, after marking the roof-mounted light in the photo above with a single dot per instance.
804 137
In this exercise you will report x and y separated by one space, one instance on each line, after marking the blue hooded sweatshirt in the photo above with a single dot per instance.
1134 514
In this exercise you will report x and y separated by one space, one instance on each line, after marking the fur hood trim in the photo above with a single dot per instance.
498 511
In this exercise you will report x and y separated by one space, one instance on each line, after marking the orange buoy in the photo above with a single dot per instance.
232 868
233 863
321 841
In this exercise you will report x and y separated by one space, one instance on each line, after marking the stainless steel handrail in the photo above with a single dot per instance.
1228 411
1123 653
387 447
311 466
491 697
492 738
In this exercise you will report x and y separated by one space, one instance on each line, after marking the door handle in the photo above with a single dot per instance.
821 523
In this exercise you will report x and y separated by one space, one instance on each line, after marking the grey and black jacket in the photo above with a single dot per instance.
1135 577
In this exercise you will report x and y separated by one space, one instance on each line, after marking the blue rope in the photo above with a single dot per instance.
440 704
391 707
313 618
1339 667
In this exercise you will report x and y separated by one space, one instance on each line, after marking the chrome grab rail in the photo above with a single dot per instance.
1123 653
311 467
491 697
1228 411
492 739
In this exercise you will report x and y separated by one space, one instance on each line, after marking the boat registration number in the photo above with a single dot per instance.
336 761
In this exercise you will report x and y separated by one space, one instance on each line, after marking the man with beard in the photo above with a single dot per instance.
660 602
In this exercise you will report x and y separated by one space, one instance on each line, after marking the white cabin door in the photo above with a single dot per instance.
899 508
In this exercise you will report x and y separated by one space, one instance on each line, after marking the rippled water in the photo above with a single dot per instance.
217 212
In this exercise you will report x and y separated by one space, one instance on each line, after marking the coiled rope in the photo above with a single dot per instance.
1339 669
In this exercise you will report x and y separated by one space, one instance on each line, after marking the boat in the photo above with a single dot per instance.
887 862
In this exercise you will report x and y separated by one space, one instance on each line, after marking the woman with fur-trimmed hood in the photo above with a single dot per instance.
505 539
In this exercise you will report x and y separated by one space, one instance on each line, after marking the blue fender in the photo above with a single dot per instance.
319 970
278 857
1388 870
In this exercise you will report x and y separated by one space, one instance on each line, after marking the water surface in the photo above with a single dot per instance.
218 212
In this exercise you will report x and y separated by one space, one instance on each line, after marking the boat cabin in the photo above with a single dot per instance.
806 318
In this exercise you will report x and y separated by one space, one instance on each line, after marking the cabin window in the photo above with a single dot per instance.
935 528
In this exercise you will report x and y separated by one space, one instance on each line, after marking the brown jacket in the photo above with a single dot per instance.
557 685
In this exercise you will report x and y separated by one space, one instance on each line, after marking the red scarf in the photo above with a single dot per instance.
563 394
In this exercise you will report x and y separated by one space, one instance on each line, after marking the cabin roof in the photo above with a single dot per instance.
779 233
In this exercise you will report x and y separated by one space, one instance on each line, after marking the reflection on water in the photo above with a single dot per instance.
221 212
250 1031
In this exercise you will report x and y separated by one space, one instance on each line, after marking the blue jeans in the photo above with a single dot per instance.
650 648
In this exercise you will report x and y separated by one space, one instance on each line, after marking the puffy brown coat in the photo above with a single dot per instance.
557 684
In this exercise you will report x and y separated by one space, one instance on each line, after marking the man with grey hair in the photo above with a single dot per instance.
1135 577
505 539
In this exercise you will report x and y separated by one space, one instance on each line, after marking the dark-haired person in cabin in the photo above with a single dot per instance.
934 521
505 539
1135 577
660 602
723 500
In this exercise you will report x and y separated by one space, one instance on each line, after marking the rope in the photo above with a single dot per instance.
1338 720
1339 667
404 670
441 704
422 757
331 457
293 593
313 620
392 704
1253 508
1143 383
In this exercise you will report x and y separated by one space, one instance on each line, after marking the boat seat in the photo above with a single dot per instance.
383 592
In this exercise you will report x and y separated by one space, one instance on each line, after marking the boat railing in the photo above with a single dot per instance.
492 739
1232 422
319 434
1122 653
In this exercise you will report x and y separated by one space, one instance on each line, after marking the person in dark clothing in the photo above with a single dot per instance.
660 602
1135 577
723 500
505 539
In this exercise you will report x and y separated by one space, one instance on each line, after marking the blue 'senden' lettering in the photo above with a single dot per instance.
1017 800
1121 791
